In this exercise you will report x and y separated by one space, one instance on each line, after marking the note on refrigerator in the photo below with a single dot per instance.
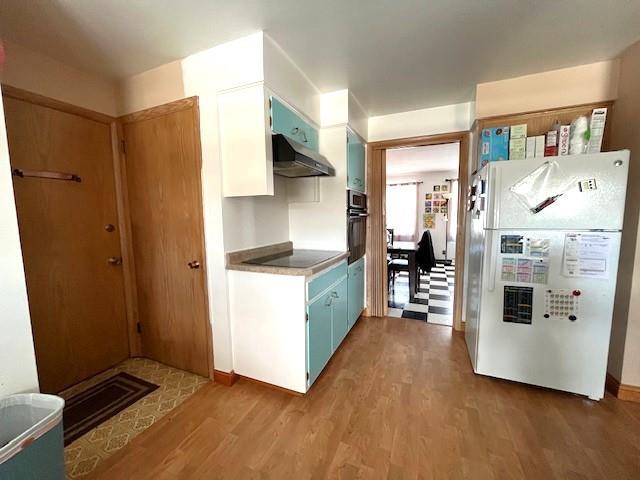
508 269
524 270
538 247
586 255
540 271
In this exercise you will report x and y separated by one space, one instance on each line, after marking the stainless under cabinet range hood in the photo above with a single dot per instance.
292 159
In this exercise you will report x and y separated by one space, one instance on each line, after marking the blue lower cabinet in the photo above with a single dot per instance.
339 309
319 336
324 281
356 291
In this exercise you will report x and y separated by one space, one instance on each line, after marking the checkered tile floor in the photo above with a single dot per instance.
434 301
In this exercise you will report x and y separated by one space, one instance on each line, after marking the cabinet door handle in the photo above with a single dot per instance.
334 294
297 131
328 301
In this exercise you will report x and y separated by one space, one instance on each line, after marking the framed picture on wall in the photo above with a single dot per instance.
444 188
437 196
429 221
427 196
436 188
427 207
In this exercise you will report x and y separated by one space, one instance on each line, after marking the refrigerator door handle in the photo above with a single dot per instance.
491 260
494 197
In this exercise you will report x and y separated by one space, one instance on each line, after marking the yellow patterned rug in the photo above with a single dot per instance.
84 454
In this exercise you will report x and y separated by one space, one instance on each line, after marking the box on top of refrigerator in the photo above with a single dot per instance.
494 144
518 131
597 124
564 133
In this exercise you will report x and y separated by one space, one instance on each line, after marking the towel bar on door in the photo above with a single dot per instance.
72 177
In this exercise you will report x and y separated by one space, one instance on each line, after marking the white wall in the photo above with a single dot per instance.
428 121
256 221
263 220
154 87
323 225
17 357
429 179
594 82
40 74
358 117
334 108
288 82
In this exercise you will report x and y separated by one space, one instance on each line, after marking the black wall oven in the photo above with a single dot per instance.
356 224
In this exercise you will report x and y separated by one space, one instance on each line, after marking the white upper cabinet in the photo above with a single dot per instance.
245 142
248 116
247 74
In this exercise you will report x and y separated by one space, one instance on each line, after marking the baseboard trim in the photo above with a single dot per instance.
224 378
271 386
621 391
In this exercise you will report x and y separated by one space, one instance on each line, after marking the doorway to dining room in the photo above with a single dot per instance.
421 228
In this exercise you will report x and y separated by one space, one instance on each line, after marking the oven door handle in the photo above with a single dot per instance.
358 215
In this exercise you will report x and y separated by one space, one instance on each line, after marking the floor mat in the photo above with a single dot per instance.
88 409
83 455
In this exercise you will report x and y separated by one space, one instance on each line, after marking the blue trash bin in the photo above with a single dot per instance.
31 437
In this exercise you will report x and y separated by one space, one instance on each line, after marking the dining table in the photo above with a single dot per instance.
408 250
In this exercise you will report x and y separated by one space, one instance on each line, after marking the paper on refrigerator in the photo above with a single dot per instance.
524 270
586 255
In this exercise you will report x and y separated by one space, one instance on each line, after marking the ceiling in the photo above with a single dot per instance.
414 160
393 55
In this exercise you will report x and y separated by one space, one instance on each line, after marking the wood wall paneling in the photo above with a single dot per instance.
376 234
541 121
463 185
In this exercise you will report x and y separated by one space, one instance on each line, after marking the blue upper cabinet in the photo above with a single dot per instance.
355 163
288 123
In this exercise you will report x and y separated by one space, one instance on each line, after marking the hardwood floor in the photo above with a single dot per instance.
399 400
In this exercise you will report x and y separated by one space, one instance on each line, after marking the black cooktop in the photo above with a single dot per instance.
295 258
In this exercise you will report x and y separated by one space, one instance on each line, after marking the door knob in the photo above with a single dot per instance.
114 260
194 264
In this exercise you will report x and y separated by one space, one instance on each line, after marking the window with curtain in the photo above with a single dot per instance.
402 211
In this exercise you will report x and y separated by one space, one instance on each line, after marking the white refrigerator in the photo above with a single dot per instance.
542 267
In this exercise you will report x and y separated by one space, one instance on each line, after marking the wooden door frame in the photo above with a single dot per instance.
154 112
122 207
377 301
